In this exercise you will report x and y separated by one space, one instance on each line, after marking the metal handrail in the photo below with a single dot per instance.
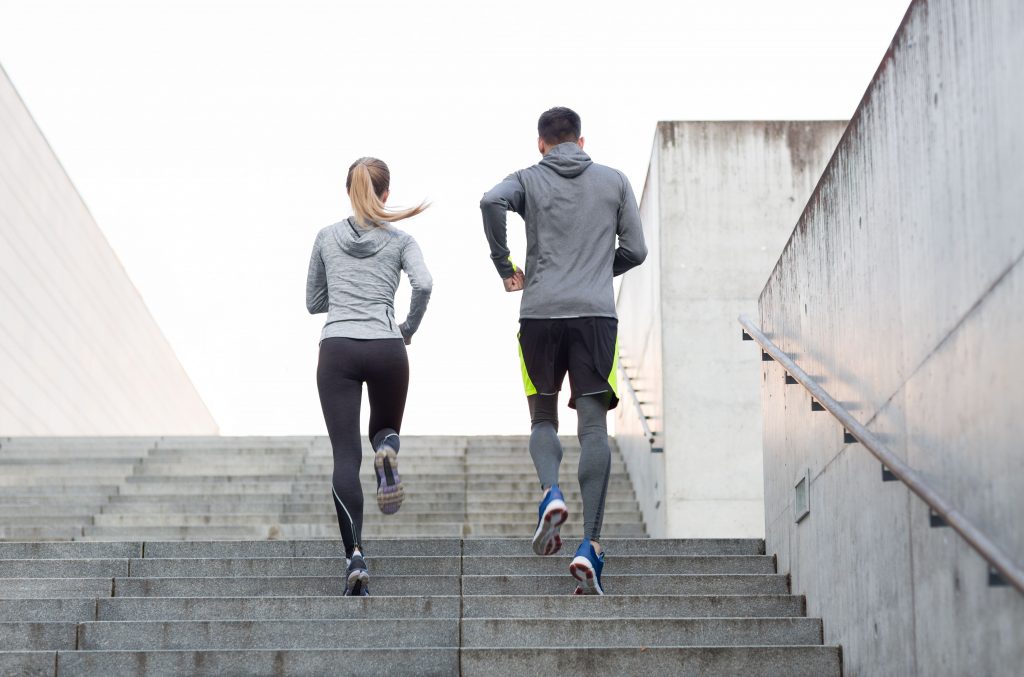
628 387
977 539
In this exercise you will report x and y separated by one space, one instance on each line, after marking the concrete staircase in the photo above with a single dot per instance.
221 556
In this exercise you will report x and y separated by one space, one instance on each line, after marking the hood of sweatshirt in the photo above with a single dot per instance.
360 241
567 159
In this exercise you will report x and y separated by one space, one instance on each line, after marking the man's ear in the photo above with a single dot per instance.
580 142
541 146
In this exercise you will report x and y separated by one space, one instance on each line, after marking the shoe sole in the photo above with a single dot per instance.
547 540
357 582
390 492
583 571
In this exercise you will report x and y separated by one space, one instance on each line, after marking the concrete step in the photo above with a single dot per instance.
32 636
62 568
648 632
66 468
75 550
748 661
47 610
267 663
278 608
281 586
571 529
56 484
40 533
755 661
374 547
273 634
43 491
44 519
326 515
512 606
629 584
635 564
328 529
688 547
50 588
291 566
386 565
632 606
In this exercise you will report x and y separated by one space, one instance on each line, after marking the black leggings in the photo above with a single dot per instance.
345 364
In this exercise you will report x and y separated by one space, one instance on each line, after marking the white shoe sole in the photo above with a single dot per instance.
583 571
546 540
357 581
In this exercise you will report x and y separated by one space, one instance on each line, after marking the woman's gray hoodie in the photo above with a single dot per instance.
353 274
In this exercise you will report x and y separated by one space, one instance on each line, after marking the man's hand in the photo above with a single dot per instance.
516 282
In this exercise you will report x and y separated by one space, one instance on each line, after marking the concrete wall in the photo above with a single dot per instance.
721 199
79 352
901 290
639 309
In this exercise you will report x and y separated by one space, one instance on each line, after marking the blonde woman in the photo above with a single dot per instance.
353 274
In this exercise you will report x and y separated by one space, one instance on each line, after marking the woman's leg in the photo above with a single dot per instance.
340 394
387 384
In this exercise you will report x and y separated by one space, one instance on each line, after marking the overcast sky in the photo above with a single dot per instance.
211 139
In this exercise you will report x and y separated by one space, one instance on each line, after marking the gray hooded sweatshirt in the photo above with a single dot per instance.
353 274
574 209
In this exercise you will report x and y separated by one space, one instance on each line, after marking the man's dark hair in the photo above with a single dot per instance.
559 125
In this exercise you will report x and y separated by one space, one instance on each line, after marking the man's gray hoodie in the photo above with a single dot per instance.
574 209
353 274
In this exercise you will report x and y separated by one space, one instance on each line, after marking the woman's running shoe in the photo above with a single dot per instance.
390 492
357 580
586 568
550 516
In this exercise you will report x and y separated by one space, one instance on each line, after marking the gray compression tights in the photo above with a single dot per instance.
595 457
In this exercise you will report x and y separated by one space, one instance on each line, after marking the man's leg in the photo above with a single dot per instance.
545 448
595 462
546 451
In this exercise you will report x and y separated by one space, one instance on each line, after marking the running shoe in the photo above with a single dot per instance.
586 568
390 492
357 580
550 516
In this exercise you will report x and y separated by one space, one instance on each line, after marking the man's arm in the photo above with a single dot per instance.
497 202
316 282
632 250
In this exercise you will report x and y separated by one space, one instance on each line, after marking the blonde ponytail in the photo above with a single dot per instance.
368 180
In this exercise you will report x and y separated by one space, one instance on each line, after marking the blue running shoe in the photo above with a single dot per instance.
586 568
550 516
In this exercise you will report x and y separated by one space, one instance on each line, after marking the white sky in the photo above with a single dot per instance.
211 139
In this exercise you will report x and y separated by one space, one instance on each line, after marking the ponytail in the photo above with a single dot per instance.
368 179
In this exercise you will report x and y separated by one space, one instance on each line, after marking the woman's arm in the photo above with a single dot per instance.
316 282
422 284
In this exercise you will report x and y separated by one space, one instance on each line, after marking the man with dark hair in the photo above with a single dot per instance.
574 209
559 125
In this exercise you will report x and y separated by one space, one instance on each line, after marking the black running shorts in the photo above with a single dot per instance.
585 347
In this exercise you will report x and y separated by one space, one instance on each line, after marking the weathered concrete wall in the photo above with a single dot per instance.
901 291
639 308
79 352
723 197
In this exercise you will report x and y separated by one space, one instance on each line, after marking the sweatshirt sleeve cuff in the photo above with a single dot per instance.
505 267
